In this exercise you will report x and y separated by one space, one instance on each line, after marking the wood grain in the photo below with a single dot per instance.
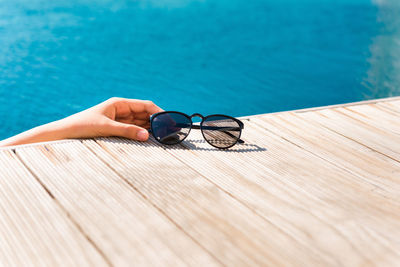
313 187
303 196
228 229
390 105
125 227
378 139
34 230
368 165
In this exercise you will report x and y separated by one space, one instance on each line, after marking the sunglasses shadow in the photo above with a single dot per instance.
202 145
188 144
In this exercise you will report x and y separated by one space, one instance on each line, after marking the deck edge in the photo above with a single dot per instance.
371 101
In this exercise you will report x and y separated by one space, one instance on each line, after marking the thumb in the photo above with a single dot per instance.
127 130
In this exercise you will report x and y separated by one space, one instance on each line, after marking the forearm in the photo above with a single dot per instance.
114 117
56 130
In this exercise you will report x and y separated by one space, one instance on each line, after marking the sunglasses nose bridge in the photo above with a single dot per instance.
197 115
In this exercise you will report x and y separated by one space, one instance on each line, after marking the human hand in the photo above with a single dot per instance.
122 117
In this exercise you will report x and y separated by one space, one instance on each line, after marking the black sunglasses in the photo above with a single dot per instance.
172 127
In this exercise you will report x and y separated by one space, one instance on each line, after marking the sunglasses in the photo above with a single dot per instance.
172 127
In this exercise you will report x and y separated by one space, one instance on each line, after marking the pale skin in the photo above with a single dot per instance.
121 117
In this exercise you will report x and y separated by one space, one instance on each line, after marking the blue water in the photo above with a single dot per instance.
238 57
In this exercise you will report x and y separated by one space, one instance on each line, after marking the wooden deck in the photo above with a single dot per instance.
316 187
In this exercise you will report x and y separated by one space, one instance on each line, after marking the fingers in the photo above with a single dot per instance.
150 107
142 116
138 122
133 117
129 117
130 131
135 105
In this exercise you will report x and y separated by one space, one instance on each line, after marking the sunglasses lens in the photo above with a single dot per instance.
221 131
170 128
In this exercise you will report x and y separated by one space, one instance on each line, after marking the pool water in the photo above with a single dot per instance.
235 57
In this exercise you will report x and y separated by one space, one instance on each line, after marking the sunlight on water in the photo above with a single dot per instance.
383 76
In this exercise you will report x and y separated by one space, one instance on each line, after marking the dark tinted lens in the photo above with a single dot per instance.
170 128
221 131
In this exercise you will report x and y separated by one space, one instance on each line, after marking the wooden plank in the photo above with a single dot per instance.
326 210
347 199
368 165
383 101
375 116
380 140
34 230
390 105
231 231
125 227
376 113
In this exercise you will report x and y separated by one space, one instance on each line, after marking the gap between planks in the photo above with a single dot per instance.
32 220
107 195
147 199
236 254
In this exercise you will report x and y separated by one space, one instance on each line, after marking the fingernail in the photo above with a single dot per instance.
142 135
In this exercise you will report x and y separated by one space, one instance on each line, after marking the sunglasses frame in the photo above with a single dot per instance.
197 127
